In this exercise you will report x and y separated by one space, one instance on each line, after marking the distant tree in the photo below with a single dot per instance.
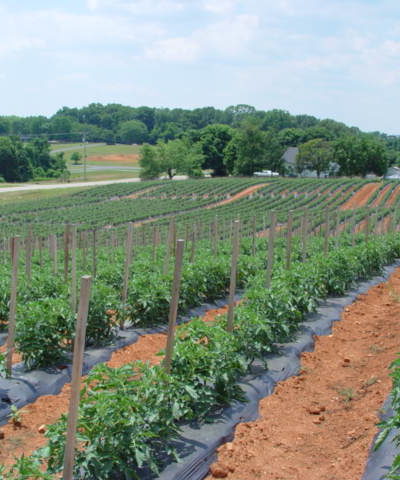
213 141
251 149
291 137
14 161
76 158
151 167
194 160
315 155
133 131
171 158
277 120
146 115
360 155
318 131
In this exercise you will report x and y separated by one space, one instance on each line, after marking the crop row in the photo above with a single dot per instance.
130 416
87 208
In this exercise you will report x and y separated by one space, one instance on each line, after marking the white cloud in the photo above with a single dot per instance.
92 4
55 31
231 37
140 7
178 49
220 6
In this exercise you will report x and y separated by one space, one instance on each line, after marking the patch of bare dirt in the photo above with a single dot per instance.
393 196
382 193
48 409
244 193
132 158
320 424
361 197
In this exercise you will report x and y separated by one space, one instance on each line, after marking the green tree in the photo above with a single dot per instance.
251 149
214 139
133 131
76 158
171 158
151 167
360 155
14 161
315 155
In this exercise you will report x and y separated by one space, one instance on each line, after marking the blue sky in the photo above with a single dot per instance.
329 58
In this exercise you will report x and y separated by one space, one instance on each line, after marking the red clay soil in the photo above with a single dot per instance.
132 158
361 197
382 193
393 196
48 409
320 424
244 193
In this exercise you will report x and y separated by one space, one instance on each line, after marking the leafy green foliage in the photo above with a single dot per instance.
42 329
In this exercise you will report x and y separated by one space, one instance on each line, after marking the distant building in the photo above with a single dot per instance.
393 173
289 157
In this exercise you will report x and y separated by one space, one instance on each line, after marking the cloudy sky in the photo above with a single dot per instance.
329 58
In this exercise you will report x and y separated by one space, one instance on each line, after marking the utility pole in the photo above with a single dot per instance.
84 157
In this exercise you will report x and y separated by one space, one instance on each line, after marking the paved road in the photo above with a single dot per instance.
24 188
102 168
78 147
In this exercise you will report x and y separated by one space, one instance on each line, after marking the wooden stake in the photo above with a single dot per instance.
13 305
128 262
94 252
66 250
271 248
289 240
73 268
79 347
327 232
367 226
53 251
253 235
173 307
232 285
28 255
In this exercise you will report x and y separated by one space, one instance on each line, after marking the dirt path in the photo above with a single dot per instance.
393 196
48 409
320 425
378 200
361 197
129 159
244 193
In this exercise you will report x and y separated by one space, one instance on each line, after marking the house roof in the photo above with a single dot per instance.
290 155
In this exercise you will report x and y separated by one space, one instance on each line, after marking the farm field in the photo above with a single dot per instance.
103 161
298 241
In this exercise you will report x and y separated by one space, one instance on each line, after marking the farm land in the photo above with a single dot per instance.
103 162
298 242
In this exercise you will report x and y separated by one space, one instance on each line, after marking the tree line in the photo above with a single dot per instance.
224 150
237 140
24 161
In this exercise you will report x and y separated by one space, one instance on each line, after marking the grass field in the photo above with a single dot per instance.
14 197
103 161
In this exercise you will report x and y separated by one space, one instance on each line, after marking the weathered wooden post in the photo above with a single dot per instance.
173 307
79 347
73 268
289 240
127 266
13 305
67 234
327 233
271 248
232 284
